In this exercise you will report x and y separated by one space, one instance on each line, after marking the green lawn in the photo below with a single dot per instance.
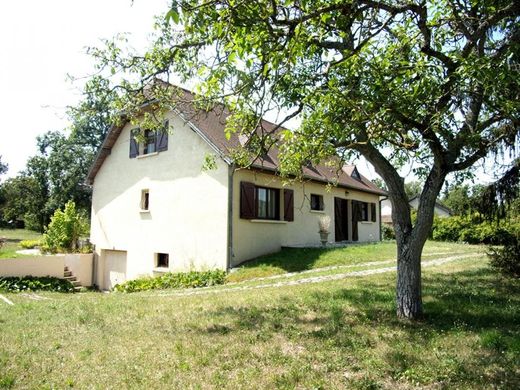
14 236
302 259
330 335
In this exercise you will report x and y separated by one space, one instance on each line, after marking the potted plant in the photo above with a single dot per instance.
324 225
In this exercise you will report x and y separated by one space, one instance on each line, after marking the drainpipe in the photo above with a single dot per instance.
231 171
380 220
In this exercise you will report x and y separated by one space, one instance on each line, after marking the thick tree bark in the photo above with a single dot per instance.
410 243
410 238
409 295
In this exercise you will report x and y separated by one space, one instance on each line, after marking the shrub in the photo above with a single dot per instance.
174 280
388 232
64 230
29 244
30 283
473 231
507 259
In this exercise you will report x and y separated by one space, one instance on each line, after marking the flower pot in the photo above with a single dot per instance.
324 237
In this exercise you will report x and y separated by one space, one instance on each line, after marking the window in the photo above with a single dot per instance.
264 203
163 260
355 174
268 203
317 202
145 200
364 211
151 141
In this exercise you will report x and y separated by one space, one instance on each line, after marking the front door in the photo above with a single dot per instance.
341 219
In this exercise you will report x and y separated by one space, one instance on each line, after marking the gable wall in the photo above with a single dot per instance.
188 207
253 238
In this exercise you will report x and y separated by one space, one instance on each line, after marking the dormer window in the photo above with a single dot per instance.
355 174
151 142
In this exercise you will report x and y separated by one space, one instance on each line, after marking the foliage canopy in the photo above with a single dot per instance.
434 82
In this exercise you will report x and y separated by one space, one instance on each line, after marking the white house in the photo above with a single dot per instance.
386 209
154 209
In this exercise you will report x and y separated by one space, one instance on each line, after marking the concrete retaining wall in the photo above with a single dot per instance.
79 264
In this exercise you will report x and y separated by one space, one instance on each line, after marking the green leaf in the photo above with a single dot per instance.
173 14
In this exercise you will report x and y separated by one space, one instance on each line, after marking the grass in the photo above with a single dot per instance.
341 334
14 236
303 259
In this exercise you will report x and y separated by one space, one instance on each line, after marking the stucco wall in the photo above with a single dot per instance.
79 264
252 238
33 266
187 216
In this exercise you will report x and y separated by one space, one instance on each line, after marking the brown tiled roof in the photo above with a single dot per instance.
211 124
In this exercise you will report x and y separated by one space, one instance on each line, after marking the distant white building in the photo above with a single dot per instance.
386 209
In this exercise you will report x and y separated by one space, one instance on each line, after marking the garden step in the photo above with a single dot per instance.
69 276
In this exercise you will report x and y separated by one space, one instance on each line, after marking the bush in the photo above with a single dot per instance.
30 283
64 230
507 259
388 232
473 231
29 244
174 280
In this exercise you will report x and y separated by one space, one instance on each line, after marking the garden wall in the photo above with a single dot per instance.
79 264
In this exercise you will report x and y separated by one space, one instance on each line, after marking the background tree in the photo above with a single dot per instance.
23 200
57 173
413 188
396 81
3 167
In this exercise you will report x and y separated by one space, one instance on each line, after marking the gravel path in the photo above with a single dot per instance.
332 268
316 279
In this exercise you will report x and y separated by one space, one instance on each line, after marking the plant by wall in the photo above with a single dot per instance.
174 280
64 230
30 283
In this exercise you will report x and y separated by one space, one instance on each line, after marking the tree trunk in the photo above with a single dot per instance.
410 243
409 297
410 239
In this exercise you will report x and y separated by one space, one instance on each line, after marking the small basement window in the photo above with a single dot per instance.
317 202
145 200
163 260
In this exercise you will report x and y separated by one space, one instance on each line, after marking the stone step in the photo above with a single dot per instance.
69 276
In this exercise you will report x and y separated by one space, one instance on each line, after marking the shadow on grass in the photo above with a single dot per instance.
458 307
289 259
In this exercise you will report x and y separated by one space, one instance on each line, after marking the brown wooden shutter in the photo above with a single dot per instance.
134 146
356 217
247 200
373 211
162 138
288 202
